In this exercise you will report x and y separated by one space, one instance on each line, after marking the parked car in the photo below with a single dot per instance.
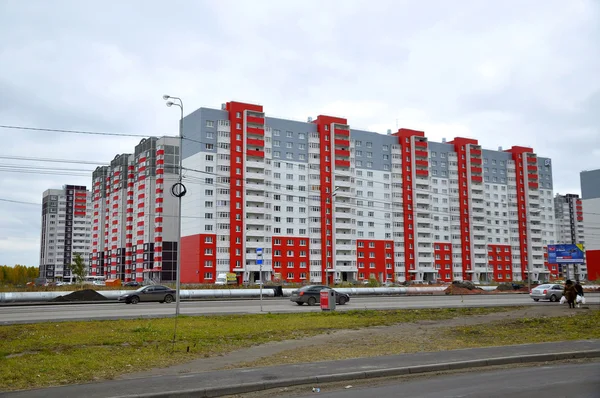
156 293
552 292
311 295
131 284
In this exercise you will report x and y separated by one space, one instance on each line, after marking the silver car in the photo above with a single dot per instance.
547 292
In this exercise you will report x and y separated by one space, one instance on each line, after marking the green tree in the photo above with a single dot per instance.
78 268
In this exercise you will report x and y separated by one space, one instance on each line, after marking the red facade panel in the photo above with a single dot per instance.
324 126
500 260
375 259
236 213
291 258
517 154
464 191
443 260
198 258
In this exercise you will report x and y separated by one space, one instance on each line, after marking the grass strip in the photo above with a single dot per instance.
424 339
49 354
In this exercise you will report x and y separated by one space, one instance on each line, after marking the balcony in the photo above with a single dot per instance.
255 142
255 164
421 154
532 177
253 175
342 152
476 161
422 173
255 153
533 185
341 132
476 170
421 144
477 179
342 163
532 168
342 142
255 120
475 151
254 197
344 247
255 130
421 163
531 160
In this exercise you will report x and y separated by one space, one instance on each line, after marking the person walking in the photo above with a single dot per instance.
570 293
579 290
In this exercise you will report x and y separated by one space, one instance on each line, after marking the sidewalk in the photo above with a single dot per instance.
218 383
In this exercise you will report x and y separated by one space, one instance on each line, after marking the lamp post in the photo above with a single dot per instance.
178 102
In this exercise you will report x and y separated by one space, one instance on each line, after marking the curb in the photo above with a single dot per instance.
369 374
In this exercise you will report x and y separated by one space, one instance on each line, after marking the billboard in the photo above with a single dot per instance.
566 254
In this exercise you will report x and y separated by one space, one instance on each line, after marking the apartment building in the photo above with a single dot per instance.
590 200
324 202
568 210
134 220
66 230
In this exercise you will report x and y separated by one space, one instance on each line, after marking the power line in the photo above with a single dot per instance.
33 159
73 131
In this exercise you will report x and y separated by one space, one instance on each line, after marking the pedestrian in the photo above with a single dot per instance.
570 293
579 290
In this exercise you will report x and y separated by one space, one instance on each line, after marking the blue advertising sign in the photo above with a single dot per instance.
566 254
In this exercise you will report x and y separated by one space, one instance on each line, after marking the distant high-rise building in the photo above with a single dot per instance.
66 230
590 198
569 218
134 221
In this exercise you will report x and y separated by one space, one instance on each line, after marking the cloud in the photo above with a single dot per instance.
468 68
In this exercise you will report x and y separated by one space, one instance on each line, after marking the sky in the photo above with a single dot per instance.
523 72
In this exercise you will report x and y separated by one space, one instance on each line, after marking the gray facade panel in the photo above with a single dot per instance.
545 173
590 184
495 166
438 164
198 131
373 149
290 139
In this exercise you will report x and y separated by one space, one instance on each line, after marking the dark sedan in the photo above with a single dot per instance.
311 295
156 293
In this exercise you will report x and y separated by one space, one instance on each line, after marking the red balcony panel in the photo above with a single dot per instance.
255 142
420 153
259 154
533 177
423 173
476 161
342 152
256 130
531 160
476 169
344 133
580 219
477 178
532 167
341 142
342 163
476 152
533 185
255 119
421 163
421 144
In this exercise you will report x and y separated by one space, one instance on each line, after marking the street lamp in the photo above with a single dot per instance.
178 102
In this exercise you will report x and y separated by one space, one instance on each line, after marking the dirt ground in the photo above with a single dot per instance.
418 330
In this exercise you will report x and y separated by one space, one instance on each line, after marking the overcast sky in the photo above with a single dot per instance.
506 72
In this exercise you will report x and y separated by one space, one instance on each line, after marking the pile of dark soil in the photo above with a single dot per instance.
81 295
457 290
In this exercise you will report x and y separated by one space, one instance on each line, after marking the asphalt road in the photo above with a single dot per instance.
41 313
565 380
